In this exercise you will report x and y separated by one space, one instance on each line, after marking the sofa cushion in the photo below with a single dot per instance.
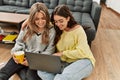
77 5
51 4
1 2
21 3
31 2
12 9
25 11
50 11
84 19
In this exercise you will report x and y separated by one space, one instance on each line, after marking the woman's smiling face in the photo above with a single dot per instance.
61 22
40 20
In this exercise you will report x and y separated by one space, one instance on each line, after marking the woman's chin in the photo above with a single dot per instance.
61 28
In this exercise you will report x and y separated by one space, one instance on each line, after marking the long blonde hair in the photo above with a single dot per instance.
32 29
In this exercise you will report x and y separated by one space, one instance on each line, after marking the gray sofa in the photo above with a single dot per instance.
86 12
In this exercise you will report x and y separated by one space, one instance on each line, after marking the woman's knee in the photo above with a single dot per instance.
32 75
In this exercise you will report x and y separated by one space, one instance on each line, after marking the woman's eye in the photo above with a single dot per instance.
43 18
36 19
61 21
55 21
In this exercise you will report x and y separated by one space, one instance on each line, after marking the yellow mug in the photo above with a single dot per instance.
19 55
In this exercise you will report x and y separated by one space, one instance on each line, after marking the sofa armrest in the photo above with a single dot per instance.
95 13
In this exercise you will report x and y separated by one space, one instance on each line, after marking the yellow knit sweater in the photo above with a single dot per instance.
74 46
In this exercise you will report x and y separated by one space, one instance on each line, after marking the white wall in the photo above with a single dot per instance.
114 4
98 1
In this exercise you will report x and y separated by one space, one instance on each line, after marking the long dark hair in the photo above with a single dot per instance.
63 11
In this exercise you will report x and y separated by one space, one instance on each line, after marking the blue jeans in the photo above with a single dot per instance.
75 71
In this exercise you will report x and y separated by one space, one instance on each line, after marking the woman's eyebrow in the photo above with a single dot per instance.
59 20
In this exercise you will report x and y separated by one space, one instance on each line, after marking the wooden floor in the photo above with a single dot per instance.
105 47
5 49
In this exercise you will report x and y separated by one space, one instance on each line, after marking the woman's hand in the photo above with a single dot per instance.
24 24
58 54
25 62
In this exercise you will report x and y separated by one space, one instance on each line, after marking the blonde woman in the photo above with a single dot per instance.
37 38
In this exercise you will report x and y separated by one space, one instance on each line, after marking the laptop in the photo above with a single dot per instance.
44 62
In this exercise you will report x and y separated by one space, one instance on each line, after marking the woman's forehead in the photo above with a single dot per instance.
40 14
57 17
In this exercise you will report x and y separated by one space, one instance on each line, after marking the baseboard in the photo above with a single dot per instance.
118 14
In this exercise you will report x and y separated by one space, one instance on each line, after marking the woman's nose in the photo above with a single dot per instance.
40 21
58 24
